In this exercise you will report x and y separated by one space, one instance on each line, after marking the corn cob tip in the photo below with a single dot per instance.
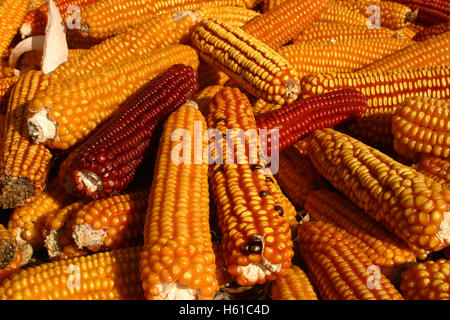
85 235
25 30
176 291
192 103
180 15
411 16
24 247
83 182
41 128
7 253
292 89
51 243
15 191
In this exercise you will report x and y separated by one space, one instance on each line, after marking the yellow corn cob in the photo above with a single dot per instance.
422 126
204 97
407 32
24 165
104 276
177 260
295 285
339 269
429 280
260 107
396 15
248 61
11 14
283 23
236 16
433 51
339 56
62 121
339 13
250 206
34 4
436 168
208 76
10 256
414 207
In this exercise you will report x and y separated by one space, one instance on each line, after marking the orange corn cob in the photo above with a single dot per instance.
421 126
236 16
429 280
96 95
384 249
436 168
246 60
339 269
302 146
177 260
34 4
339 13
261 107
11 14
250 206
407 32
413 206
103 276
271 4
432 31
204 97
433 51
10 256
283 23
295 285
430 11
24 165
208 76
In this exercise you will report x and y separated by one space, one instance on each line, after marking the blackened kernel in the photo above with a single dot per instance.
256 248
221 120
279 209
269 179
256 167
264 193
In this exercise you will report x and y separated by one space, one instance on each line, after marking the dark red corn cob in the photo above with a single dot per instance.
302 117
432 31
106 163
431 12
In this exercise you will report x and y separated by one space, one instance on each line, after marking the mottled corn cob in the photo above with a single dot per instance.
414 207
10 256
280 25
436 168
106 163
250 207
104 276
383 248
11 13
422 126
431 12
246 60
204 97
429 280
339 13
295 285
177 260
24 165
432 31
61 121
339 270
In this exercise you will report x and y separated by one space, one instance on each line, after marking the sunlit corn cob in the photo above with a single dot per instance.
204 97
236 16
271 4
407 32
339 270
436 168
280 25
222 275
103 276
384 249
339 56
35 20
110 17
261 107
10 256
297 176
250 207
413 206
24 165
60 121
177 260
432 31
106 163
339 13
11 12
433 51
430 11
429 280
302 117
34 4
422 126
295 285
246 60
6 85
395 15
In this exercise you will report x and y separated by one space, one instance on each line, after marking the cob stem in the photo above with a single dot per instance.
41 128
85 235
15 190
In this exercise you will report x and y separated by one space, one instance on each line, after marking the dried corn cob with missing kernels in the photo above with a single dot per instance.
177 260
106 163
430 11
11 12
422 126
414 207
429 280
432 31
103 276
10 256
384 249
24 165
246 60
339 270
204 97
295 285
280 25
61 121
436 168
250 207
339 13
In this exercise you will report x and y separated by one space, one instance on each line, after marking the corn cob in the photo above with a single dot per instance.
10 256
208 76
436 168
432 31
246 60
110 17
204 97
177 260
295 285
429 280
11 12
236 16
24 165
431 12
339 269
339 13
271 4
302 146
34 4
406 33
251 208
35 20
414 207
339 56
280 25
395 15
5 70
421 126
384 249
302 117
96 95
104 276
261 107
433 51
